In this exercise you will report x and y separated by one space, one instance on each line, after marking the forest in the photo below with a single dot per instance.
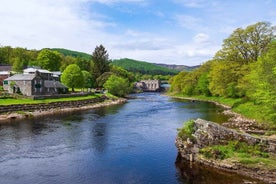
242 72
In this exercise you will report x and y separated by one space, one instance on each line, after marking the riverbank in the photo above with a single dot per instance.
40 110
242 126
237 120
213 145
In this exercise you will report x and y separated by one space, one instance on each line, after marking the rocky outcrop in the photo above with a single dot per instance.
208 133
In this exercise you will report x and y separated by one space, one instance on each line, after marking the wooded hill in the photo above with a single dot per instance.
143 67
72 53
179 67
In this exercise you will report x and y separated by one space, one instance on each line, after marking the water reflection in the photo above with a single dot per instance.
130 143
192 173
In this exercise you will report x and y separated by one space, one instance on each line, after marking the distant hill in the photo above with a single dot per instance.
143 67
179 67
66 52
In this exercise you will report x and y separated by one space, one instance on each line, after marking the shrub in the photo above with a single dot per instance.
187 130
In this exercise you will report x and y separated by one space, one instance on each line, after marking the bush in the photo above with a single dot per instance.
187 130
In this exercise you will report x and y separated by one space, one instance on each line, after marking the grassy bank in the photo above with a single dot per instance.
261 113
13 101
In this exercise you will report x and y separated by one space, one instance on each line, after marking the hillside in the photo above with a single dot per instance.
179 67
66 52
143 67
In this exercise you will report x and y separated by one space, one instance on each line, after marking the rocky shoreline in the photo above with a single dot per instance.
62 108
241 125
209 133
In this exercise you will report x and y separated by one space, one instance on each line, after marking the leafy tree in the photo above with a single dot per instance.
261 88
246 45
17 65
72 77
203 85
103 78
117 85
87 79
65 61
83 63
50 60
5 54
100 61
177 82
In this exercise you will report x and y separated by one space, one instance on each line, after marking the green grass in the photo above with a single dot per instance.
187 130
241 152
12 101
261 113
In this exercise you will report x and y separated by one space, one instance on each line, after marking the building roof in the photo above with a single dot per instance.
4 73
53 84
33 70
5 68
19 77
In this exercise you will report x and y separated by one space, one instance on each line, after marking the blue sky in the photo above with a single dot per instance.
187 32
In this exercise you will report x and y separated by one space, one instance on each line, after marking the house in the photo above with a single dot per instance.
5 72
34 82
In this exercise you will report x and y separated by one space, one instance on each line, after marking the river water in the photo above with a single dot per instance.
129 143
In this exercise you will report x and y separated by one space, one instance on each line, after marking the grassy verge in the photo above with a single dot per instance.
11 101
261 113
241 152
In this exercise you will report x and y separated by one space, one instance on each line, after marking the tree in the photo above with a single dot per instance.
261 88
100 61
72 77
117 85
49 60
87 79
246 45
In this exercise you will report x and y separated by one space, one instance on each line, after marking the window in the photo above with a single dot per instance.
6 82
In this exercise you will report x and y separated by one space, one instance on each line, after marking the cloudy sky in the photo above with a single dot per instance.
185 32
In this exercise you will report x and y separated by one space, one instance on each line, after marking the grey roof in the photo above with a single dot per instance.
5 68
53 84
20 77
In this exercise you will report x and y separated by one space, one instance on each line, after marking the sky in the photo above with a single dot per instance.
183 32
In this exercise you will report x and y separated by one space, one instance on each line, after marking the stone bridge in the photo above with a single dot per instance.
149 85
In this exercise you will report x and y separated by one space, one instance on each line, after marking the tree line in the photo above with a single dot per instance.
77 72
245 67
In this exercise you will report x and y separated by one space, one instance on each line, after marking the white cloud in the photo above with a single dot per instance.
189 22
201 38
192 3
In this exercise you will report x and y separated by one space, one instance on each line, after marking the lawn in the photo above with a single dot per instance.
11 101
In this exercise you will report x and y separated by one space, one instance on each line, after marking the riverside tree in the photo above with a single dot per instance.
72 77
117 85
100 62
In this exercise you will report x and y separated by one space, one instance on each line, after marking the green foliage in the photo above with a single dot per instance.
73 54
103 78
244 68
49 60
234 149
117 85
187 130
100 61
87 79
72 77
203 85
143 67
17 57
246 45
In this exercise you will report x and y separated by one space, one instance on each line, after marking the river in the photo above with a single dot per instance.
129 143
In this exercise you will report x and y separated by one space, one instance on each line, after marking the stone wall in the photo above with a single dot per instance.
48 106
